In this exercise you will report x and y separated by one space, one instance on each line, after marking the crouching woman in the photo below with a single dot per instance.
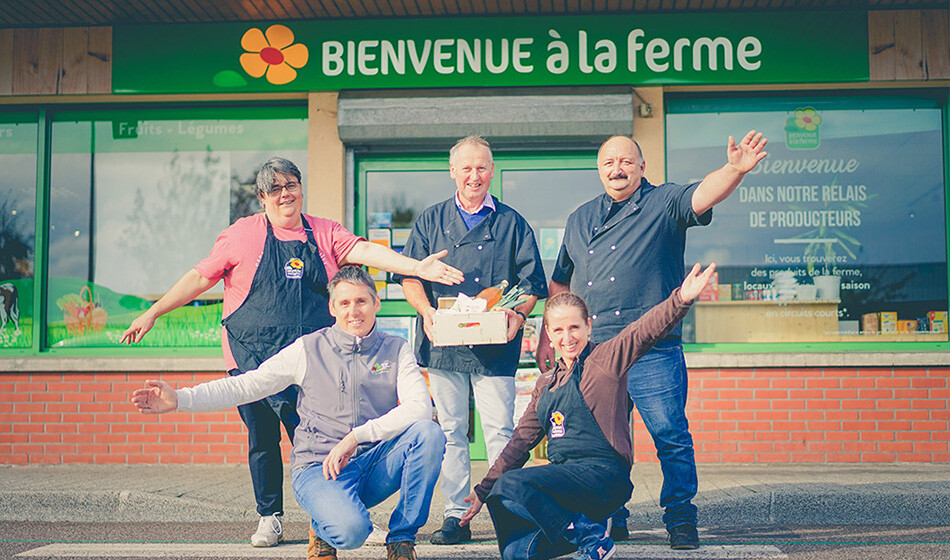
583 408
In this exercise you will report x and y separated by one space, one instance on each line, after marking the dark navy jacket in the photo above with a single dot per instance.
633 262
500 247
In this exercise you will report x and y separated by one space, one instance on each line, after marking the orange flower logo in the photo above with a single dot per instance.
273 53
296 263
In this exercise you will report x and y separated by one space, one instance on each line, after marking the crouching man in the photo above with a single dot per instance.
366 428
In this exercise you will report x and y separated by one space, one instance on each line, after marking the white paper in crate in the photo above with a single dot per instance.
465 304
467 322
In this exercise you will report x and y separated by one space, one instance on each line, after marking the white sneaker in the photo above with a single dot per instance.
377 537
270 531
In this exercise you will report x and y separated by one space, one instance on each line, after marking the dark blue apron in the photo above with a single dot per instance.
586 475
572 431
288 298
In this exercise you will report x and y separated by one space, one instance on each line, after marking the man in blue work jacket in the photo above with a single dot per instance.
623 253
490 242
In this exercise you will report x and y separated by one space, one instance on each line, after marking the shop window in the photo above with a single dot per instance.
136 199
839 235
18 149
546 197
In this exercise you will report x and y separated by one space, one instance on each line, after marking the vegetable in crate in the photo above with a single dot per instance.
493 294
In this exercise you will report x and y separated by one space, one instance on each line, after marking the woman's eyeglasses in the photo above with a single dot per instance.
292 188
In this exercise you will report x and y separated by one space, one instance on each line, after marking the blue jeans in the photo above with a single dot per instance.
495 403
528 542
408 463
657 384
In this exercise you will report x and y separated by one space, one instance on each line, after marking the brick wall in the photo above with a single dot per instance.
87 418
828 415
736 415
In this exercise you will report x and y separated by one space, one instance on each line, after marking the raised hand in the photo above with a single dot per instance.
695 281
157 397
743 157
433 269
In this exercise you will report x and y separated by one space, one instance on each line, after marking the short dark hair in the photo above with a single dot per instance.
566 299
354 275
269 171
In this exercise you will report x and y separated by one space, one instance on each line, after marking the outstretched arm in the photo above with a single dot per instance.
740 159
430 268
186 289
278 372
636 339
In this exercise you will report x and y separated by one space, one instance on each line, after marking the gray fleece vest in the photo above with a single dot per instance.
348 382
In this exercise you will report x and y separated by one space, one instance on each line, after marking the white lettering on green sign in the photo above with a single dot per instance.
460 56
633 49
445 56
703 52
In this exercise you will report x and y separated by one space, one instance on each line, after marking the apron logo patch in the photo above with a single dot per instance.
557 425
294 269
380 368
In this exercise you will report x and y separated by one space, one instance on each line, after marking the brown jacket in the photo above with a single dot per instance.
603 385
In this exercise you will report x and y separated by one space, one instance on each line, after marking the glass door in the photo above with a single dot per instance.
544 188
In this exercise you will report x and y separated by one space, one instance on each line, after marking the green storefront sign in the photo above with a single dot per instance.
649 49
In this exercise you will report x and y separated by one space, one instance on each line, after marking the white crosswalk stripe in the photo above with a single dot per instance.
296 551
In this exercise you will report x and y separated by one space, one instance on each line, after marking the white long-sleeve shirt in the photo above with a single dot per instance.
290 367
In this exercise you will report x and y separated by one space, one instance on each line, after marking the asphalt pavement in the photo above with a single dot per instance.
729 495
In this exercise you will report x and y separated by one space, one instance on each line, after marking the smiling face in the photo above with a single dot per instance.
472 170
283 205
568 330
354 308
621 167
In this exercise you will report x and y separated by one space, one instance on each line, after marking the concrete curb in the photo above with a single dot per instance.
817 504
730 495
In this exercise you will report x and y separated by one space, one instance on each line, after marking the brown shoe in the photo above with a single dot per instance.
402 550
317 549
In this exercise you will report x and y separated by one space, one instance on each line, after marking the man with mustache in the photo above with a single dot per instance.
623 253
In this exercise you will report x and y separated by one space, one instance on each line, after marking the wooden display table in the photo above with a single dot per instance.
766 321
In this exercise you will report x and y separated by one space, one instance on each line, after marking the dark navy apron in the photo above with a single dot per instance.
586 475
288 298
